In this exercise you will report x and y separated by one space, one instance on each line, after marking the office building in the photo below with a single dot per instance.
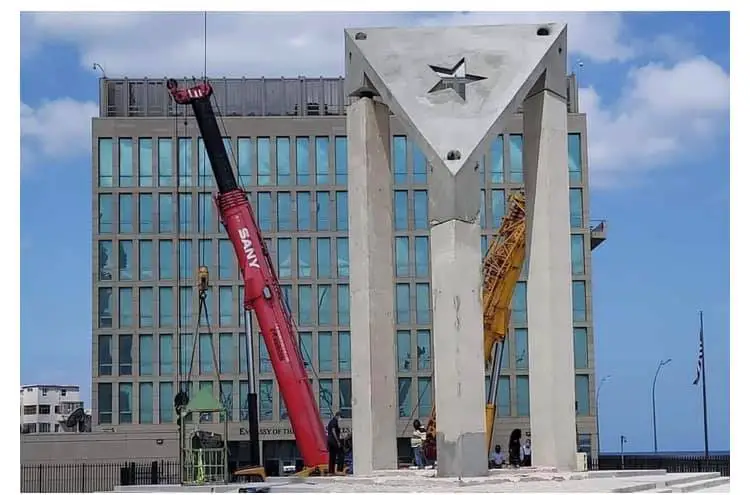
154 223
46 408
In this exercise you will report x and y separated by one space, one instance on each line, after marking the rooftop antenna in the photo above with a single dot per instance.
96 66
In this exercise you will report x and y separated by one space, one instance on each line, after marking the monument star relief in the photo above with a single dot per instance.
455 78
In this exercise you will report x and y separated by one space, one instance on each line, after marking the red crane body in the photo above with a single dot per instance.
262 291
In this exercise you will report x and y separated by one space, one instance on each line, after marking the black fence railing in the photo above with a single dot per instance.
101 477
672 463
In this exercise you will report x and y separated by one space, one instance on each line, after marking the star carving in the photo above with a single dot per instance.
455 78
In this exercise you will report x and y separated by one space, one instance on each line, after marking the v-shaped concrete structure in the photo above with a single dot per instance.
455 89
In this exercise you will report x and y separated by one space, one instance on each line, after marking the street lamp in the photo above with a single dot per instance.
596 400
623 441
653 398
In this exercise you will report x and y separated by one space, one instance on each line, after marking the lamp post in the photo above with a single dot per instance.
653 398
596 401
623 441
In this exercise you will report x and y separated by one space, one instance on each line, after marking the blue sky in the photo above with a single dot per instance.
655 87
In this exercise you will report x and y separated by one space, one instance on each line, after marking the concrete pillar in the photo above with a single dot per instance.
549 298
456 260
374 412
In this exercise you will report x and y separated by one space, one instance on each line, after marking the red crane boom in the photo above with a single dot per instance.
262 291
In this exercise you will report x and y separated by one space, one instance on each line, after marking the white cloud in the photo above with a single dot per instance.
56 130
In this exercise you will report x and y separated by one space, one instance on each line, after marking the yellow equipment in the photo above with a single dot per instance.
502 268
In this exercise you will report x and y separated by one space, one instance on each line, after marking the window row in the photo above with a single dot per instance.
284 211
300 160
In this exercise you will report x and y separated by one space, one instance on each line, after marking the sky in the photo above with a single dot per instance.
655 88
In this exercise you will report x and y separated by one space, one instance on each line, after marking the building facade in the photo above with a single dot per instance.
46 408
154 223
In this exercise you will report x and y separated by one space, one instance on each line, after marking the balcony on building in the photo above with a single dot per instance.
598 229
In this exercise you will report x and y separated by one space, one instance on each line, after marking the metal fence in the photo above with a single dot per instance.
101 477
672 463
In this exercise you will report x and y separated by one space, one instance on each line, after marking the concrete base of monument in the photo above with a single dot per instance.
529 480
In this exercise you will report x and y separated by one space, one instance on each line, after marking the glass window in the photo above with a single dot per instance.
581 347
206 385
265 217
304 221
125 354
321 160
503 396
403 304
243 400
341 159
165 162
324 304
244 160
125 256
226 393
342 211
322 210
577 258
403 350
206 213
209 308
424 350
576 208
579 300
146 260
166 356
424 303
345 397
305 302
284 257
496 160
582 395
126 307
106 261
225 306
342 257
306 348
283 161
484 247
518 304
185 160
325 351
265 397
186 258
304 254
420 210
303 160
522 395
424 389
186 352
574 158
482 208
104 401
226 260
146 403
205 175
186 212
323 255
205 252
166 269
105 355
145 213
105 307
284 211
105 213
166 401
521 336
106 168
146 307
498 207
400 210
226 352
402 256
264 161
420 165
126 162
145 355
166 307
345 351
145 162
422 255
404 398
400 171
343 304
126 213
205 354
325 398
516 158
165 213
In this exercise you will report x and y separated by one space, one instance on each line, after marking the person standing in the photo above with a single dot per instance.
418 437
334 445
526 452
514 448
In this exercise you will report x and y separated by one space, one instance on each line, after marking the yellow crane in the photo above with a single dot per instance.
502 268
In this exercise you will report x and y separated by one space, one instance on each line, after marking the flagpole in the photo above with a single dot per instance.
703 378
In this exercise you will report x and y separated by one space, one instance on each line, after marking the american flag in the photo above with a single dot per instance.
699 367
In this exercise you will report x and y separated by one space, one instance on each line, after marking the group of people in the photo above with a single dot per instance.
519 453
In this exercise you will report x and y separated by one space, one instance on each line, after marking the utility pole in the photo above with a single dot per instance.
653 399
598 429
702 358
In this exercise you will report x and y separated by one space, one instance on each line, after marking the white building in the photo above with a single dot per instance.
47 408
